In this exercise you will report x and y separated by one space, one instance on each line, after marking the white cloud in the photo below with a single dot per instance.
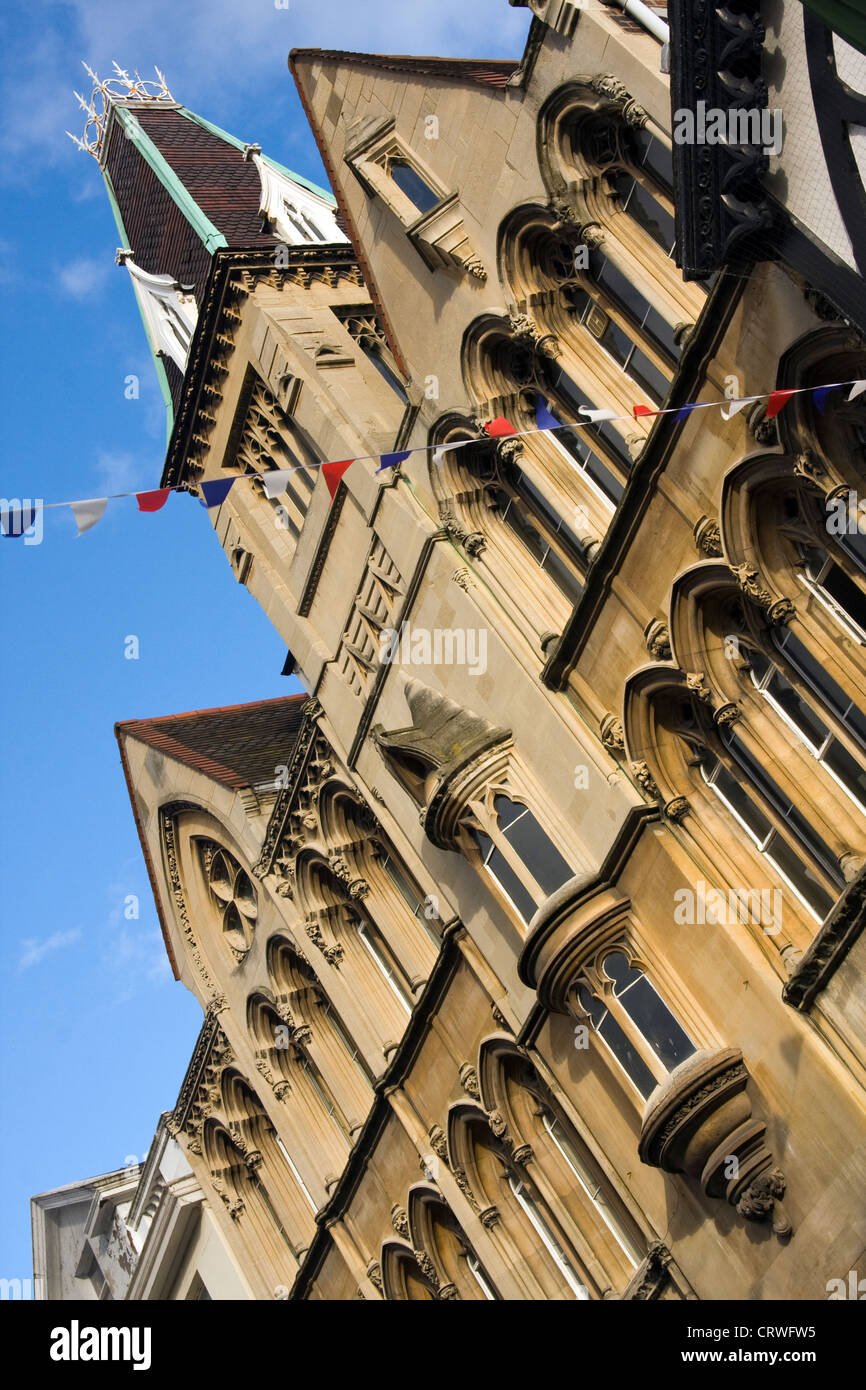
84 276
33 951
121 472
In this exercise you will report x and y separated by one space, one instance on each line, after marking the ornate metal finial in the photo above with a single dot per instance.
104 94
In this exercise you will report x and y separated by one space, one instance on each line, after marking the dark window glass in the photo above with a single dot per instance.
646 211
535 848
805 832
824 686
574 399
499 867
607 1028
648 1010
410 182
655 157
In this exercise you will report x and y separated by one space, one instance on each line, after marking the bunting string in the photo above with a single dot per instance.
18 518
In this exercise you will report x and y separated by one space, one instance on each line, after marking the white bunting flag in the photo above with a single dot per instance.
594 416
735 406
439 454
274 482
88 513
857 389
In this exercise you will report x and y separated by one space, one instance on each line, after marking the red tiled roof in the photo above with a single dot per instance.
250 739
236 745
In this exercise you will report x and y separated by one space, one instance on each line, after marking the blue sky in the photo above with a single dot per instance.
96 1034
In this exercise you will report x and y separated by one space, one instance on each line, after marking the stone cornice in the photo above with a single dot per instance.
238 271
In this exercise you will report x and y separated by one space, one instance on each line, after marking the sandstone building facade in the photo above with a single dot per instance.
528 939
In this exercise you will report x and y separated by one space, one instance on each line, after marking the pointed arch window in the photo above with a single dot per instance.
308 1196
387 967
834 589
633 1021
532 1210
647 210
810 729
789 865
590 1184
364 327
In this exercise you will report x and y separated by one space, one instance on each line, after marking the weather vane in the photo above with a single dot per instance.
120 87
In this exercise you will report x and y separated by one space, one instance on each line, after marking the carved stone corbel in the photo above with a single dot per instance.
612 735
699 1122
658 640
469 1081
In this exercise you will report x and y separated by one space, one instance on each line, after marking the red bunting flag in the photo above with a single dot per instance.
776 401
498 428
644 410
152 501
333 472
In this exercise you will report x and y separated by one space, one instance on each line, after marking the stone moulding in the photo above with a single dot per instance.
699 1122
840 931
569 928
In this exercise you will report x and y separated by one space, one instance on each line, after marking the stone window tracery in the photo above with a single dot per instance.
516 851
626 1011
270 440
232 894
364 327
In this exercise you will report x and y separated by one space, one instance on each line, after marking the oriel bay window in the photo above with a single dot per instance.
632 1020
517 852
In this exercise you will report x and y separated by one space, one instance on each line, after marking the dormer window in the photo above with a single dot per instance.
296 214
169 311
410 182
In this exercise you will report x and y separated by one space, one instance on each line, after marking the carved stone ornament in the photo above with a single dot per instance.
400 1220
463 1183
708 538
439 1143
427 1267
374 1274
750 582
699 1122
652 1276
677 808
644 778
728 714
658 640
696 682
469 1081
498 1125
810 468
781 612
473 542
612 735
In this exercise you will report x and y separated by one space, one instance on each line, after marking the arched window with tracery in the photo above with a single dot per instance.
374 982
453 1265
780 740
526 1231
729 804
634 1024
320 1133
563 1168
306 1012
